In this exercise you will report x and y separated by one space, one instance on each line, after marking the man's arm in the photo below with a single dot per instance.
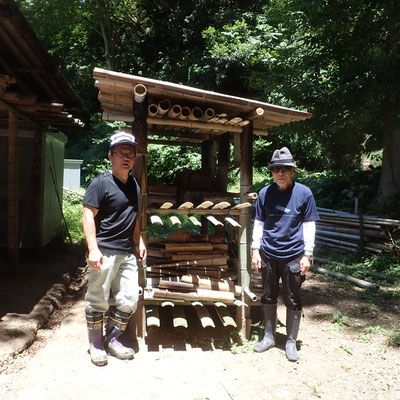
258 230
95 257
309 239
140 247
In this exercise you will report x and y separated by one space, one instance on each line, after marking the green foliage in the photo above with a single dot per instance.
339 320
72 209
165 161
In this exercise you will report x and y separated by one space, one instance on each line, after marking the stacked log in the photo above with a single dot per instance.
346 232
190 266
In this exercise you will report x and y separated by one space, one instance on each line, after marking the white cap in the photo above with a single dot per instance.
122 138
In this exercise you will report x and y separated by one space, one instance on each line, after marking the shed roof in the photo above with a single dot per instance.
30 83
117 92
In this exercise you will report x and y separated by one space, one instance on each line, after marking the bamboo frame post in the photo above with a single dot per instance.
223 160
38 192
139 130
246 185
13 252
206 165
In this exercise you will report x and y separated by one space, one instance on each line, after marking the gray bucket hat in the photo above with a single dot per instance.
282 157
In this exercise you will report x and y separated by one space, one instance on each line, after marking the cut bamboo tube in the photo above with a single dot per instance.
221 205
175 220
208 113
174 111
164 106
234 121
203 314
196 113
258 112
194 220
166 206
185 112
251 196
139 93
155 219
152 110
250 294
213 220
179 317
224 315
152 316
233 222
204 205
185 206
241 205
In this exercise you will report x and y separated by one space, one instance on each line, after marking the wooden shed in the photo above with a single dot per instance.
192 269
33 93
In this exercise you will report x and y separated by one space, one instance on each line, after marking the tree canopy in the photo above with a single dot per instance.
338 59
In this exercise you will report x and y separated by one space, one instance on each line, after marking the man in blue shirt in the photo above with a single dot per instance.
283 243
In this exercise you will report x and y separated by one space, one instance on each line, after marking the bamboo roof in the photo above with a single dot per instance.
231 114
30 83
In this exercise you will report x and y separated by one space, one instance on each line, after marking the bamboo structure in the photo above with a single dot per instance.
194 117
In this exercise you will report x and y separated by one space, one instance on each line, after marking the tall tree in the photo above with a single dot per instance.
339 59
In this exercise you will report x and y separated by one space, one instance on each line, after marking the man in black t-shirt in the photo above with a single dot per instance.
112 232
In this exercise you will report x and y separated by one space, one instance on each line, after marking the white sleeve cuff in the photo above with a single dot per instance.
309 236
258 230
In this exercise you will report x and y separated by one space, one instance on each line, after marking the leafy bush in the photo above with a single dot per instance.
72 209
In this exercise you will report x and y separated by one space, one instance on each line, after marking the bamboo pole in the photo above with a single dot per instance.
193 124
357 282
199 295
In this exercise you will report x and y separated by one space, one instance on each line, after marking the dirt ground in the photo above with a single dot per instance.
346 352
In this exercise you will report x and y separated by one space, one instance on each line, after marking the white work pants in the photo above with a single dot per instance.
119 273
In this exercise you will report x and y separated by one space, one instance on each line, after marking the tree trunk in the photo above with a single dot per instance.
106 32
389 184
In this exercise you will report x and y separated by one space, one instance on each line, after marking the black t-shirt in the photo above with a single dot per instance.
117 204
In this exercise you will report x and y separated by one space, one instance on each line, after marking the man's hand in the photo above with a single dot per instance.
305 265
95 259
141 250
256 259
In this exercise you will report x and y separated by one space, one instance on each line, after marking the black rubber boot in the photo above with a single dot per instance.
116 326
96 341
292 330
269 311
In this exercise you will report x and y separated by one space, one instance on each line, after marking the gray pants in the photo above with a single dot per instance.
119 273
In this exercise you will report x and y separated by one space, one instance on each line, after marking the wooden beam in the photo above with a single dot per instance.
13 232
38 190
174 143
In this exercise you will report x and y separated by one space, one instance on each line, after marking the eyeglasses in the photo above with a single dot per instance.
120 154
283 168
